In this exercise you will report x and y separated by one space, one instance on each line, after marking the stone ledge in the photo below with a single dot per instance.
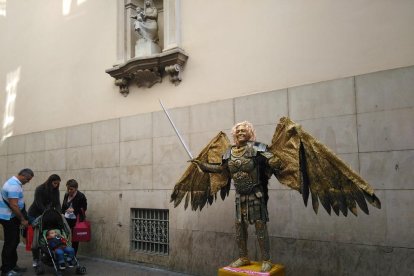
147 71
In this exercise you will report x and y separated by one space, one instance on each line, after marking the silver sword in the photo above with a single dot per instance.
176 131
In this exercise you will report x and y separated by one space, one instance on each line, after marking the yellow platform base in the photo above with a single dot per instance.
253 269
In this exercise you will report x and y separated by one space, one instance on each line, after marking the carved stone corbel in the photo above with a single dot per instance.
123 84
147 71
175 73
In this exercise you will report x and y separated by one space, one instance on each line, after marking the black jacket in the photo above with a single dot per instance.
79 202
45 197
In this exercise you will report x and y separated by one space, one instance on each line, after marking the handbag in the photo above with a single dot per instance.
29 238
81 232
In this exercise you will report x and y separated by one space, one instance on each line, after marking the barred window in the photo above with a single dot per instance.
150 231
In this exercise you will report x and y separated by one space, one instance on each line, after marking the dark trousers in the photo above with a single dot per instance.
71 223
75 246
11 230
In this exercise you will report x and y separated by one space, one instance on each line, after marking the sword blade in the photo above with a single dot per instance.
176 131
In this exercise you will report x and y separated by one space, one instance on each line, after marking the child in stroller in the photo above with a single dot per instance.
59 246
51 231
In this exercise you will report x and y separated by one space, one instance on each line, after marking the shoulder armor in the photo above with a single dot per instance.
260 147
267 154
227 154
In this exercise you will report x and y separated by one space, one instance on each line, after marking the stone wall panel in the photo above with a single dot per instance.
323 99
385 90
3 147
163 127
55 139
220 216
169 150
105 179
34 160
136 127
263 108
137 152
337 133
105 132
55 160
213 116
167 175
83 177
386 130
136 177
78 136
388 170
106 155
35 142
79 158
16 144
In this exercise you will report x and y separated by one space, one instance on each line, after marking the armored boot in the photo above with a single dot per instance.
241 240
264 244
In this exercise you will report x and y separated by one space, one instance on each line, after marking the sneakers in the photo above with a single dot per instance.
11 273
62 266
71 262
35 263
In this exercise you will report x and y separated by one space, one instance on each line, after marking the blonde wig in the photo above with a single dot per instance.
250 131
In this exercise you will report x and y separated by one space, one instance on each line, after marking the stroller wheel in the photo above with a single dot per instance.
39 269
81 270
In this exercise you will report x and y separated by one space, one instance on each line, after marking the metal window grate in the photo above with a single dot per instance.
150 231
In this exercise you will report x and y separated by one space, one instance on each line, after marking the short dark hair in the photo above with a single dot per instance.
72 183
26 172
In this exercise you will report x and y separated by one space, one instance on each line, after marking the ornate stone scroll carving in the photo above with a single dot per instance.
146 72
123 84
147 77
175 73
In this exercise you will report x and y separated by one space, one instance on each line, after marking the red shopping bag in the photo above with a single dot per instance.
81 231
29 238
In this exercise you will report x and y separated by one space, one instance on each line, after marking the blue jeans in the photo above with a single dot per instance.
60 254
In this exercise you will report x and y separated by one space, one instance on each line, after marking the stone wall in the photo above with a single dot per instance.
133 162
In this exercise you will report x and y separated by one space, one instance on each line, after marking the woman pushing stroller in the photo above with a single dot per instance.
46 196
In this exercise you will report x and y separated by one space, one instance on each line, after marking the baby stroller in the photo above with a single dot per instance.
51 219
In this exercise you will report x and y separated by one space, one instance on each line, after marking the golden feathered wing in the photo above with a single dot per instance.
203 187
310 167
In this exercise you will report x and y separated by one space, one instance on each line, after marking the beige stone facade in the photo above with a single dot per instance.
342 70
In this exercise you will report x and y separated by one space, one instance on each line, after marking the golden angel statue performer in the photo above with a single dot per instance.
297 160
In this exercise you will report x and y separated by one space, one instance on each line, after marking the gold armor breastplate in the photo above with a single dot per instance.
243 172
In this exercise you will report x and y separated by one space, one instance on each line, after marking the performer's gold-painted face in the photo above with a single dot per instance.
242 135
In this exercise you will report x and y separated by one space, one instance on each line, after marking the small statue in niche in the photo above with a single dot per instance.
146 26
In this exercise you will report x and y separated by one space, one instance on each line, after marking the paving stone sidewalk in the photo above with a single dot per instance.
94 267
